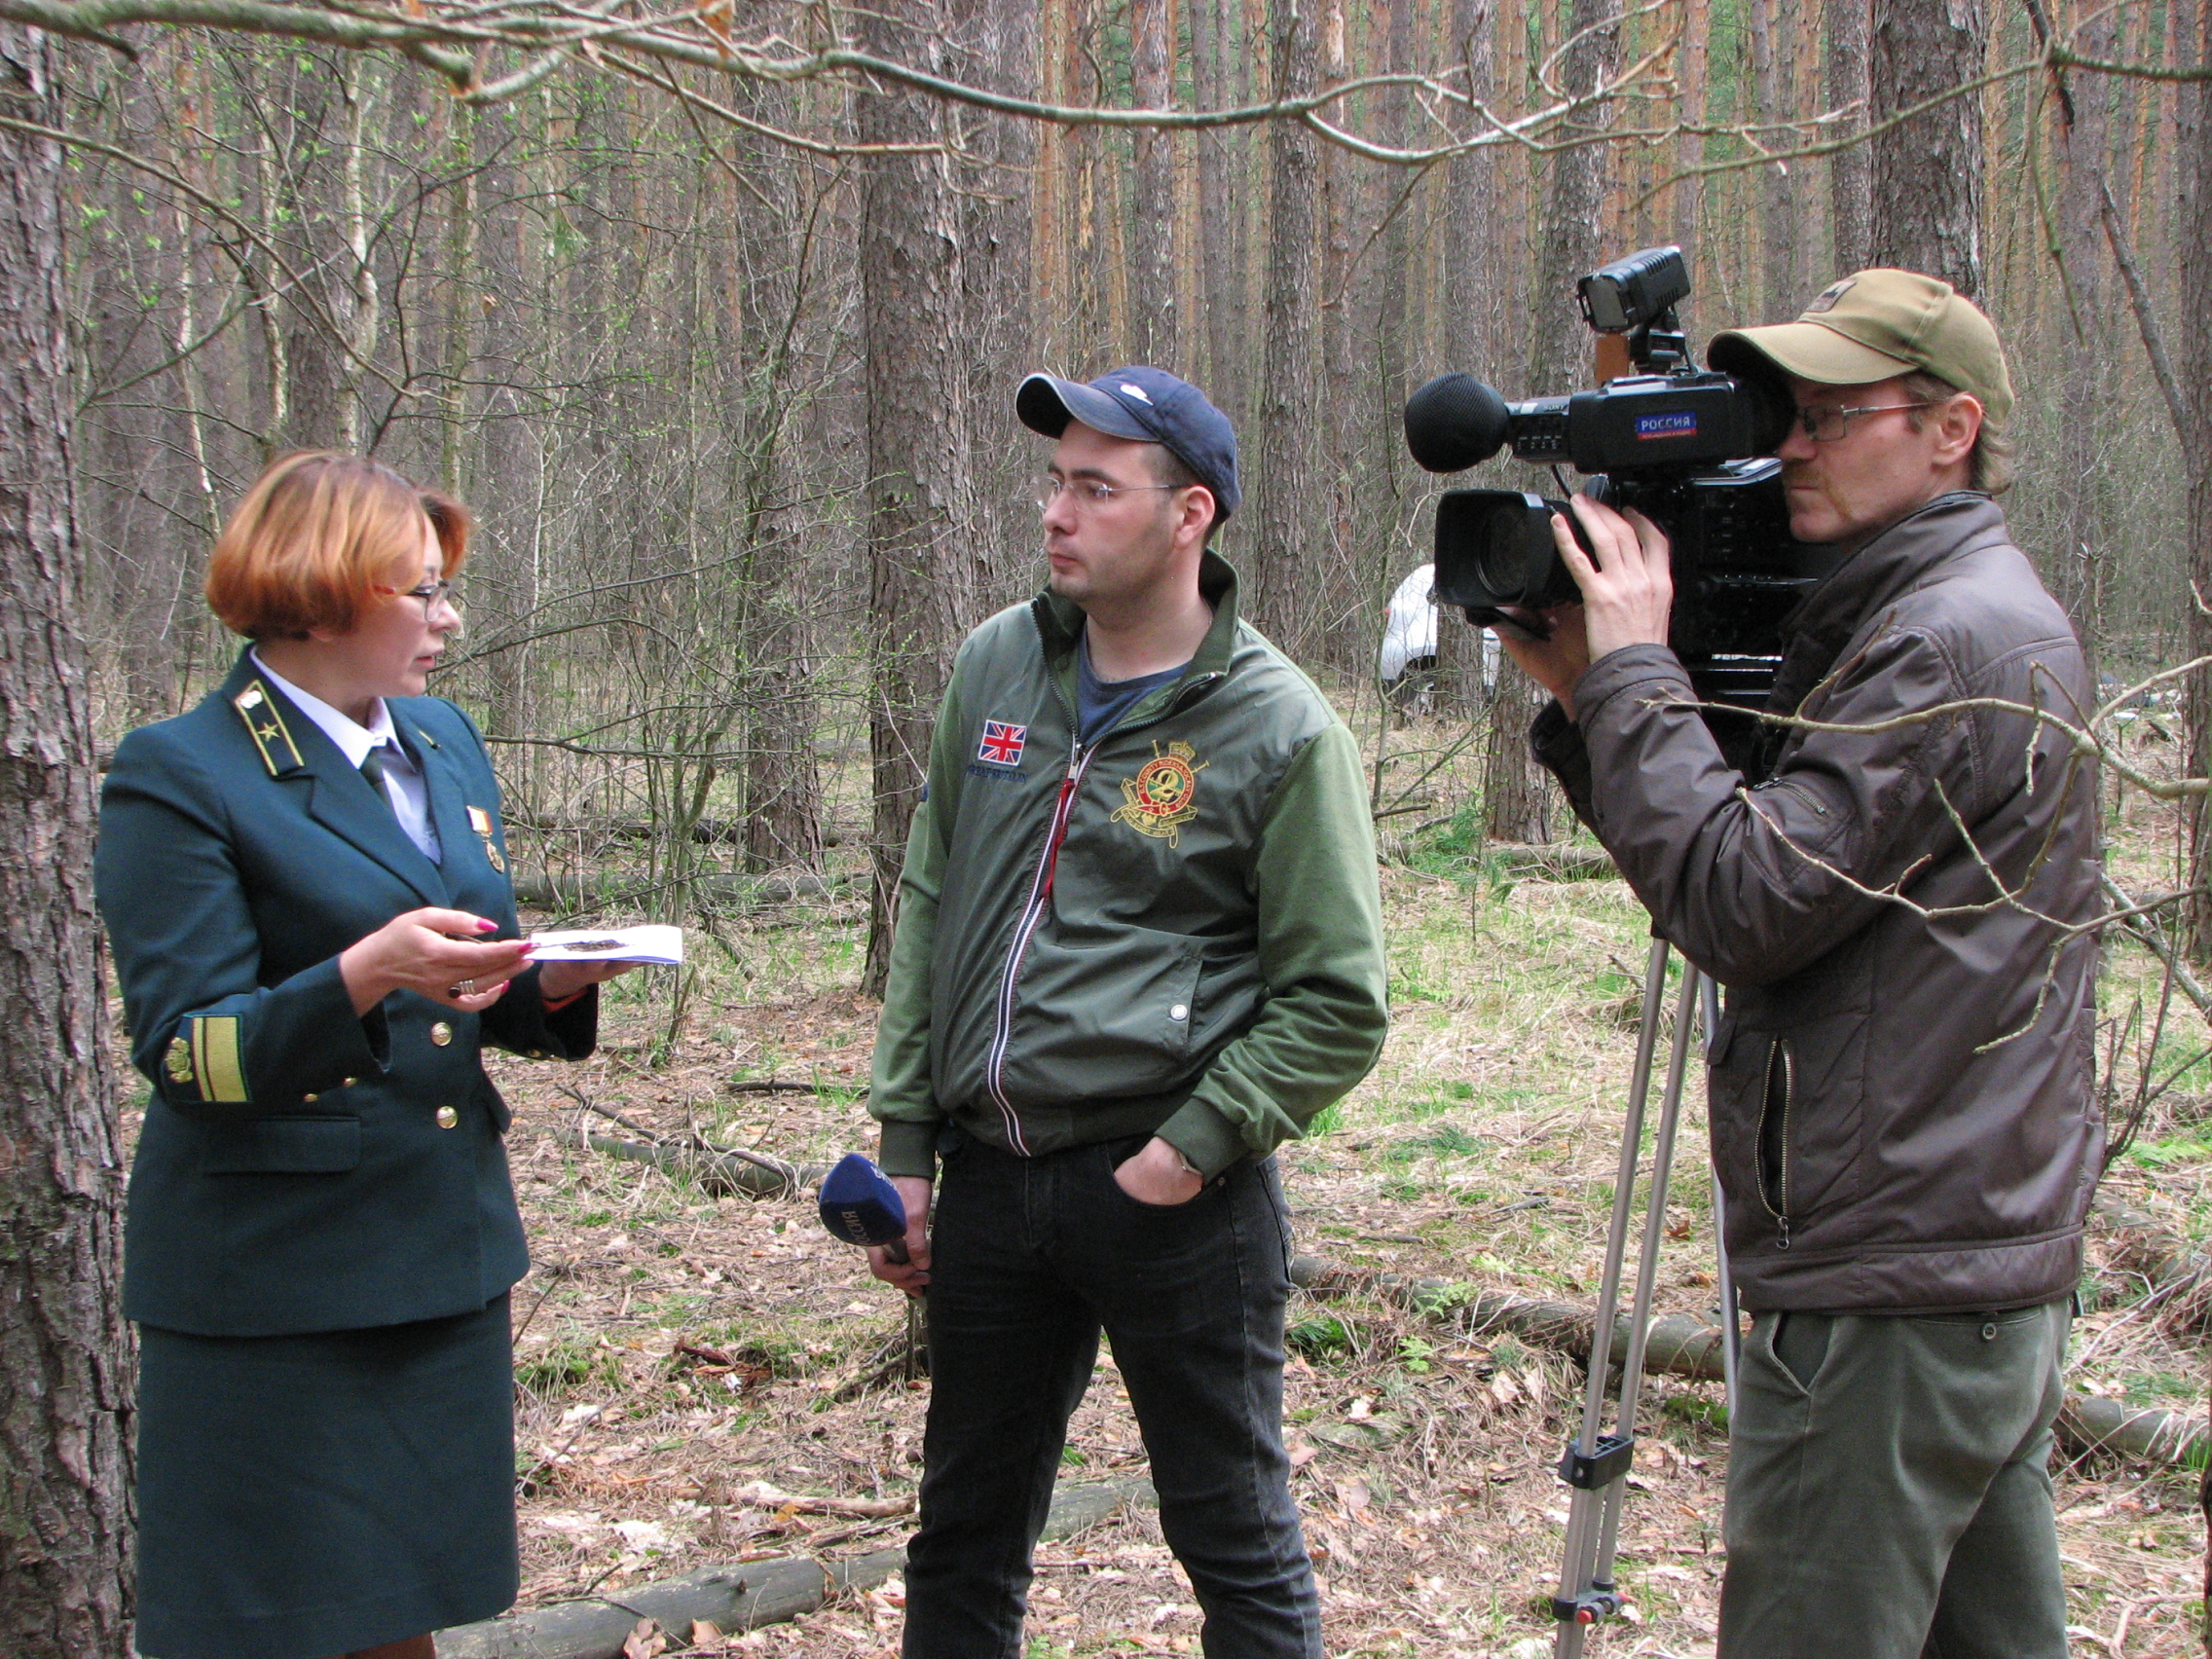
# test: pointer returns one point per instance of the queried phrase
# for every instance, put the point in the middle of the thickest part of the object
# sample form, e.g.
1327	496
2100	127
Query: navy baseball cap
1147	406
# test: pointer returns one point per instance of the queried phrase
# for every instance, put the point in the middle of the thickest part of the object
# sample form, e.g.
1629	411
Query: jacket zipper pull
1782	1232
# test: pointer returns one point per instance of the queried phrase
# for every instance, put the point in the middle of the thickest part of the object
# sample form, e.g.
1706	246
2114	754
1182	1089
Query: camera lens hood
1453	422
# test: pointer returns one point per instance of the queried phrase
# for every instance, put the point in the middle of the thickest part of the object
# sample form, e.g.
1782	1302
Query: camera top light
1632	292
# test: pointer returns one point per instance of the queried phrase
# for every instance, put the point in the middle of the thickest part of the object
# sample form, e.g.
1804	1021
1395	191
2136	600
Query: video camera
1691	449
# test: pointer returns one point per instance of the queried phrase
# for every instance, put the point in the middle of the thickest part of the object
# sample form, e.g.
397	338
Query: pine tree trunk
2077	565
1927	171
918	488
1154	335
1286	515
1851	200
1513	786
2193	239
65	1365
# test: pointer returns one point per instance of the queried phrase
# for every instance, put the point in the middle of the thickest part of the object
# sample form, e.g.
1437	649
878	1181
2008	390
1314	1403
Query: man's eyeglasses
1089	492
1825	424
432	594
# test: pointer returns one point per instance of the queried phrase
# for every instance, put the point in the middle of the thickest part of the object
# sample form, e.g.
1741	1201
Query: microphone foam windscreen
1453	422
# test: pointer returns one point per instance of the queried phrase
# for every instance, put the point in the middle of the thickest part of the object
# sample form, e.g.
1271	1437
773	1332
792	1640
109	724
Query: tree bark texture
1154	335
2193	34
1927	183
1513	786
1286	515
2077	566
1850	198
918	482
1558	343
66	1367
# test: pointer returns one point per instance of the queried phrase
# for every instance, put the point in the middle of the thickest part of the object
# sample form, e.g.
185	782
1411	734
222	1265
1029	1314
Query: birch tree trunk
66	1367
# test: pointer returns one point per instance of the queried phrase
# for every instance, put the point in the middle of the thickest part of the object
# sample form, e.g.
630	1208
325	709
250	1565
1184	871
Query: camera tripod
1597	1464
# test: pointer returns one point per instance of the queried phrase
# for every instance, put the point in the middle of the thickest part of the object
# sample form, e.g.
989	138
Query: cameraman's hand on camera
1627	593
1552	649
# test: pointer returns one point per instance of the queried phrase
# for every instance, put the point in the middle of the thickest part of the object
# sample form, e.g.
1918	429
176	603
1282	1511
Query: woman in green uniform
305	887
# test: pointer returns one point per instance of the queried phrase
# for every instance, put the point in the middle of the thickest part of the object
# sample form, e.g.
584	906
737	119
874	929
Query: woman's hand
431	952
559	980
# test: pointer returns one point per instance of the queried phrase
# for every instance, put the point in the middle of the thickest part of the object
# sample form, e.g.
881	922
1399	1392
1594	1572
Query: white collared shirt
403	782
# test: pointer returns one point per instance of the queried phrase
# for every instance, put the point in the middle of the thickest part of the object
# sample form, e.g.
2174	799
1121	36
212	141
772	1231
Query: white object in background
1409	631
1408	623
654	942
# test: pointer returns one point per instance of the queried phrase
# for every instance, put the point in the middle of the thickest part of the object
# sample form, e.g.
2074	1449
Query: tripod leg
1731	1326
1648	1267
1573	1606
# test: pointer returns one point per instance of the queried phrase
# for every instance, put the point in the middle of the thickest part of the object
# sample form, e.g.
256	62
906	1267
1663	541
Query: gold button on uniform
349	1082
446	1117
310	1099
441	1034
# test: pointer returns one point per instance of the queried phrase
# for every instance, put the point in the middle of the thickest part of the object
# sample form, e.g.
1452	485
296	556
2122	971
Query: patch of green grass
2184	1148
568	1362
1446	1140
1320	1335
2163	1387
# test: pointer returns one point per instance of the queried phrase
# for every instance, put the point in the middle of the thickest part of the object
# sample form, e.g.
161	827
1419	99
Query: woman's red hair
316	533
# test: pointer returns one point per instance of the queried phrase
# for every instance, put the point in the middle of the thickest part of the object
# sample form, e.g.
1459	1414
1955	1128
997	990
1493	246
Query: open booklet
652	943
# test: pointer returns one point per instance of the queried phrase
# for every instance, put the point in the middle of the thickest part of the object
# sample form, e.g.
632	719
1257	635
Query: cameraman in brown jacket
1898	904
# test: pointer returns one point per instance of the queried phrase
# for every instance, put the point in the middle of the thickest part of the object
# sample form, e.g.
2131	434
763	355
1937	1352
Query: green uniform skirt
304	1495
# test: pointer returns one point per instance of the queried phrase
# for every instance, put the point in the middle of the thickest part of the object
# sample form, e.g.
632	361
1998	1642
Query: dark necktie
372	768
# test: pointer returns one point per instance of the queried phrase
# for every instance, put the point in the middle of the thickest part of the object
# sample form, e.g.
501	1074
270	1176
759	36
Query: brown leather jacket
1900	1089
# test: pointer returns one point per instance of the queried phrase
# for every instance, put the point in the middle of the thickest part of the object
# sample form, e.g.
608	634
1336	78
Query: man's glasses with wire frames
432	594
1089	493
1825	424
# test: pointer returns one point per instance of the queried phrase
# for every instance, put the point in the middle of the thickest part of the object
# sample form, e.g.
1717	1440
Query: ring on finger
466	989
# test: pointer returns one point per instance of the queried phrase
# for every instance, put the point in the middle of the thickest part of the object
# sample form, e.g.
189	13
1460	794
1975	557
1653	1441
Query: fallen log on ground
736	1597
725	1174
1681	1344
2179	1273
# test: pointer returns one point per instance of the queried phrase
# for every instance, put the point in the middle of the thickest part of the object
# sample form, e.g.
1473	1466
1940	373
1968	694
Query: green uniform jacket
302	1167
1176	930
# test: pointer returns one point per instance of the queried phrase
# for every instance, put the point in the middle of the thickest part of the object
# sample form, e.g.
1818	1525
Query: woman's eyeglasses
432	594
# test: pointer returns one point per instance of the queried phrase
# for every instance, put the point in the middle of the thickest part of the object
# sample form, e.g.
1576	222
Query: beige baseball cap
1875	324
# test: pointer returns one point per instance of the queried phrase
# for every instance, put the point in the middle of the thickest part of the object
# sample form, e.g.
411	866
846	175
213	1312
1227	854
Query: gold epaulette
263	720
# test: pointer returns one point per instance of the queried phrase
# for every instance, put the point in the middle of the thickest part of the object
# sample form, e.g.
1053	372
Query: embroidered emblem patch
1158	799
179	1060
1830	295
480	821
1002	743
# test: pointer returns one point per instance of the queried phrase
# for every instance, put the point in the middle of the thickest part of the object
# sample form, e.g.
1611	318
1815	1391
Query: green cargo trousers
1889	1489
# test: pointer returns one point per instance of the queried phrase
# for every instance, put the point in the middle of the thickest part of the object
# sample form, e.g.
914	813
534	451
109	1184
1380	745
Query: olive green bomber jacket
1176	931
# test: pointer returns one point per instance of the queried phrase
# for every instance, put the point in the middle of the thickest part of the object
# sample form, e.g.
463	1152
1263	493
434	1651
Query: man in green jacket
1139	946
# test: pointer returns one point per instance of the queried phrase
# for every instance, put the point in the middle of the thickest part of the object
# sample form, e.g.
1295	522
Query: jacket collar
296	751
1896	560
1059	621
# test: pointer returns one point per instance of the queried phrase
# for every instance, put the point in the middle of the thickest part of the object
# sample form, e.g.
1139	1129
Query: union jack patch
1002	743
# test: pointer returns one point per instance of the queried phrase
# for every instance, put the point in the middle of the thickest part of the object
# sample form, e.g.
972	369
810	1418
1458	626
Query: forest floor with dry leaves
689	1367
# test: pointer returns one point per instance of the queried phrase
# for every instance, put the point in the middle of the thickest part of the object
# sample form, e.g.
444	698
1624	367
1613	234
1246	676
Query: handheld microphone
860	1206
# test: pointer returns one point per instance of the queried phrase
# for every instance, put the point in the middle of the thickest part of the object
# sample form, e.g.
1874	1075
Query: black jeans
1030	1259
